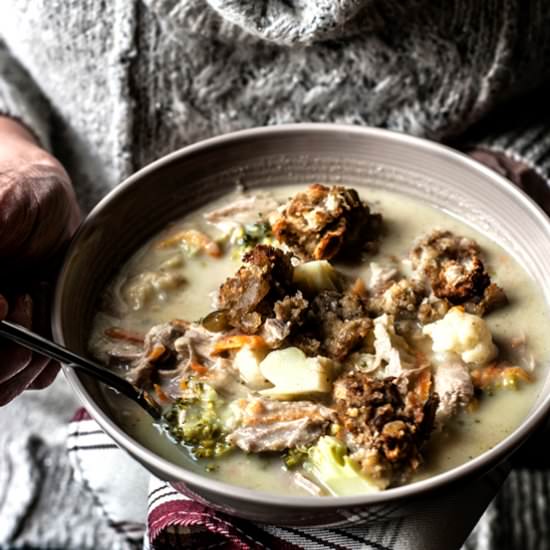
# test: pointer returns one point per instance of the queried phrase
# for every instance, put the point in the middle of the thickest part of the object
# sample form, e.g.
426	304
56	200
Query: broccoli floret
251	234
295	457
329	463
195	421
256	233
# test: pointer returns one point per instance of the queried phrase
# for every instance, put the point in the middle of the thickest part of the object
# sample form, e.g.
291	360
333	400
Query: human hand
38	214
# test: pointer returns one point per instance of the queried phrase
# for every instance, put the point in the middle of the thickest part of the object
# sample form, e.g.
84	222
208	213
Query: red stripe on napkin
231	533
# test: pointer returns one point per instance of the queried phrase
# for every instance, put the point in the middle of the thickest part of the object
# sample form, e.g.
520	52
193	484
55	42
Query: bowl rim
174	472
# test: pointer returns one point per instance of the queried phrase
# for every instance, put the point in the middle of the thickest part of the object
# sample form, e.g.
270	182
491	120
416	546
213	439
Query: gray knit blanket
110	86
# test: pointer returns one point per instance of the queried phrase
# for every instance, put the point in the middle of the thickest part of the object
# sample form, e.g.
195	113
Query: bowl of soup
338	322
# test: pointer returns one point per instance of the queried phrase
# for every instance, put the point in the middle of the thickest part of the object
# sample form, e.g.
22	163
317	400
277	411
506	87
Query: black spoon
43	346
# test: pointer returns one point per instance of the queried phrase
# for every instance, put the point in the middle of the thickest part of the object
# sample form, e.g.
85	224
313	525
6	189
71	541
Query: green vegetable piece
295	457
248	236
329	463
195	421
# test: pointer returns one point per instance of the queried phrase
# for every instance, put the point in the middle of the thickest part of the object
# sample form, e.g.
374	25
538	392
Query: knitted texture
20	99
41	504
130	81
285	23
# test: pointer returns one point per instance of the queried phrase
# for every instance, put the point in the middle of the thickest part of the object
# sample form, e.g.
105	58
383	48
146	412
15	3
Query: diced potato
247	362
330	464
463	333
313	277
294	375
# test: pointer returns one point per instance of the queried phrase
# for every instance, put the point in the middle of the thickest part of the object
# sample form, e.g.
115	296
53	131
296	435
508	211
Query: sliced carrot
423	384
194	239
156	353
161	394
117	333
516	373
238	341
199	369
213	249
358	288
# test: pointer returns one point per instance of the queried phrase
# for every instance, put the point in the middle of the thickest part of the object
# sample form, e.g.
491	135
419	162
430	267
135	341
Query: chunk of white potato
247	362
294	375
313	277
462	333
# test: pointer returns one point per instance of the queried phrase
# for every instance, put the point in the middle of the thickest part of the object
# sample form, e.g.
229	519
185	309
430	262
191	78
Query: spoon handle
43	346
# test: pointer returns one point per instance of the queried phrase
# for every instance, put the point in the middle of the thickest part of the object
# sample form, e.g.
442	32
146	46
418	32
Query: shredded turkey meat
392	354
243	211
169	351
453	384
268	425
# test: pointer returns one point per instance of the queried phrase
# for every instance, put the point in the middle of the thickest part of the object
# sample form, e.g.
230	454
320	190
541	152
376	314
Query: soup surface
307	340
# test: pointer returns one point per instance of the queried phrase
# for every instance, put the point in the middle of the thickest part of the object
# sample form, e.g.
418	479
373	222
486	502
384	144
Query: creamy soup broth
468	435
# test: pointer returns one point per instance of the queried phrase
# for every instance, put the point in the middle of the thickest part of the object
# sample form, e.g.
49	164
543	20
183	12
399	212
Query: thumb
38	213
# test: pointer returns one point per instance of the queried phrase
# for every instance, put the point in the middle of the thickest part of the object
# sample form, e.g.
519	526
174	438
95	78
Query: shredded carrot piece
213	249
156	353
498	376
161	394
183	384
198	368
358	288
117	333
194	239
254	408
238	341
423	384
